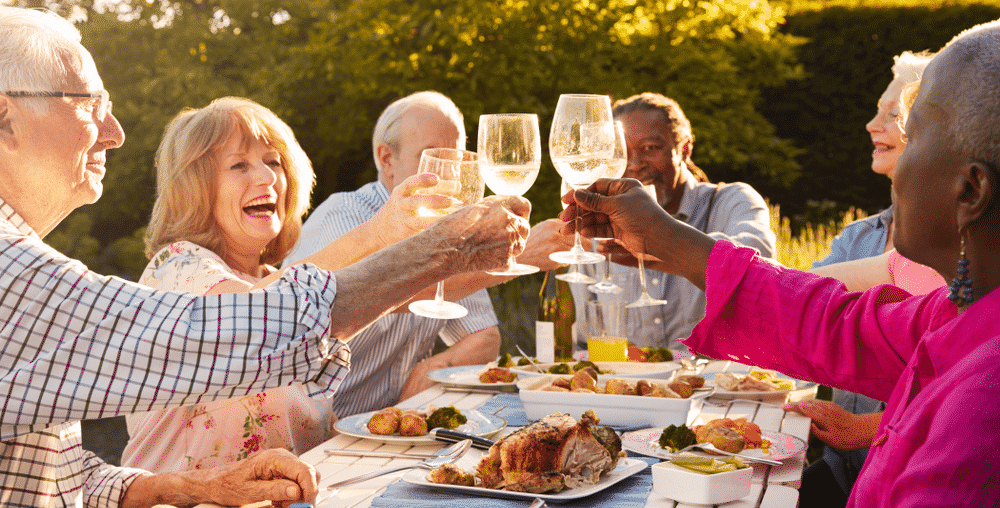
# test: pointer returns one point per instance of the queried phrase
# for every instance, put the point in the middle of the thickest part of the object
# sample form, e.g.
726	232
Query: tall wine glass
459	179
574	275
616	168
581	142
510	154
645	300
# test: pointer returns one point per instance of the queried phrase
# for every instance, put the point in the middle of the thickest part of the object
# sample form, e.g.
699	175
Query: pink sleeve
806	326
915	278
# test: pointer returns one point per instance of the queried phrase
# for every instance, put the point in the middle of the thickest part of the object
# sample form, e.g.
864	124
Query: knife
452	436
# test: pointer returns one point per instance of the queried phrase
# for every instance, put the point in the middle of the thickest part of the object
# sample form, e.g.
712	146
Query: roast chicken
550	455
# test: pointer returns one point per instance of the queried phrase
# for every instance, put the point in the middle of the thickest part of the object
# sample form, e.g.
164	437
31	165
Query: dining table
771	486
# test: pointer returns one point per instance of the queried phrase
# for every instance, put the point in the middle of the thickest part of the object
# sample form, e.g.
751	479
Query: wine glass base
576	278
645	301
433	309
605	287
516	269
576	258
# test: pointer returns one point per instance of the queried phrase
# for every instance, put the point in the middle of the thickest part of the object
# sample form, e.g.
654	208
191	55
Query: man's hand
483	236
837	426
398	218
618	209
272	475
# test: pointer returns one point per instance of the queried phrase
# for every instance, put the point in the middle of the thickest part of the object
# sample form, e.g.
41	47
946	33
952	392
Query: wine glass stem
439	295
642	275
607	268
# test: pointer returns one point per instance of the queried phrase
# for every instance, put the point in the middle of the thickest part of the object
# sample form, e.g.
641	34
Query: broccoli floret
523	361
676	437
657	354
445	417
562	368
505	361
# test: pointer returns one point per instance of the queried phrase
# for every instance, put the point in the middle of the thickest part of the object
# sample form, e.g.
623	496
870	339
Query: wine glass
459	179
581	142
574	275
616	168
645	300
510	154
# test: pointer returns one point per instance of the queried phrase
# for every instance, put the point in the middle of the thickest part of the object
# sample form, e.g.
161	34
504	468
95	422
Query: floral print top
207	434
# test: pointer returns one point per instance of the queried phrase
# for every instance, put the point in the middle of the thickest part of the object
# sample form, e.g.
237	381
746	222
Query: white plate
642	370
754	395
647	442
480	424
626	467
467	376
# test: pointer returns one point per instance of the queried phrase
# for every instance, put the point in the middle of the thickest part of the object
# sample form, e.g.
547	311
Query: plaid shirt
77	345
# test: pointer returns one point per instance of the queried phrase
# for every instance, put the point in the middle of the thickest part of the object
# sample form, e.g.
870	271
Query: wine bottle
556	324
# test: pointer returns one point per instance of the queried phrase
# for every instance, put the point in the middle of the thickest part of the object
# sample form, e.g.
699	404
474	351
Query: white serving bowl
688	486
613	410
632	370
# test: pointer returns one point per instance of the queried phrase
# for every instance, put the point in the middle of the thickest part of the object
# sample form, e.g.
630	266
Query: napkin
629	493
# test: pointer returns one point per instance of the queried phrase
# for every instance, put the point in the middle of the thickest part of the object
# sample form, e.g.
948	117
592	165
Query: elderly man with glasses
80	345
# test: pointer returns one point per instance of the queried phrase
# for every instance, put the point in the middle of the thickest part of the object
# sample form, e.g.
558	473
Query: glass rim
507	115
467	155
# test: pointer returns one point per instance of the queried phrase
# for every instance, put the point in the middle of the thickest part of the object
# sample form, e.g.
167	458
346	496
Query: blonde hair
185	165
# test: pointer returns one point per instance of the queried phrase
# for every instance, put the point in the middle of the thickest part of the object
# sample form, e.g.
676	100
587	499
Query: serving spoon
445	456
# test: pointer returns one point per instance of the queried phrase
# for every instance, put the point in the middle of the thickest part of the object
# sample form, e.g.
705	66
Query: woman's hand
837	426
399	218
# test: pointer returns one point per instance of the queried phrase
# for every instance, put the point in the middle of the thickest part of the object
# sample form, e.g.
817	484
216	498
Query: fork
450	454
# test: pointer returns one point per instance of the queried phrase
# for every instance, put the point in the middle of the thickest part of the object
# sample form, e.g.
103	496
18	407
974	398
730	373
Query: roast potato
694	381
411	424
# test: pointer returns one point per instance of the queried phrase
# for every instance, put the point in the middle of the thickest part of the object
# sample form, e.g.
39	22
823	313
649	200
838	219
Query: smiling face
249	201
64	149
653	159
885	131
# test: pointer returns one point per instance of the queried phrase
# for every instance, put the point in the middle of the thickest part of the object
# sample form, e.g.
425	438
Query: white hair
907	66
387	128
38	51
976	94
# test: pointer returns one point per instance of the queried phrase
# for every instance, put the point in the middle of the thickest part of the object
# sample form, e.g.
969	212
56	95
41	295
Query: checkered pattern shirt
76	345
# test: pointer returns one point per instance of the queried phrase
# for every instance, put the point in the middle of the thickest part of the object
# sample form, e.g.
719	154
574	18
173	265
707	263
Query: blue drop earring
961	286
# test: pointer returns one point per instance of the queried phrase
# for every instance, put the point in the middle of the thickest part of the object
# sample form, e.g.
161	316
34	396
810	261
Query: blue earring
963	283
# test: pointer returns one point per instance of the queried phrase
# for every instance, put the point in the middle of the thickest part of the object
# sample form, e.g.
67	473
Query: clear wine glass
510	154
645	300
616	168
459	179
574	275
581	142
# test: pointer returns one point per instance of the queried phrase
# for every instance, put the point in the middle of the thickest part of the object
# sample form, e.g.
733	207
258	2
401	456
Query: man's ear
979	191
7	140
686	149
384	155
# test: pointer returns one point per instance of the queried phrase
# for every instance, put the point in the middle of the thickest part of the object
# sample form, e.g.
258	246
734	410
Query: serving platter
479	424
467	376
641	370
626	467
647	442
754	394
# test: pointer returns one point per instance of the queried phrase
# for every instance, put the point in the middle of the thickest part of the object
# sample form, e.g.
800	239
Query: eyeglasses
101	107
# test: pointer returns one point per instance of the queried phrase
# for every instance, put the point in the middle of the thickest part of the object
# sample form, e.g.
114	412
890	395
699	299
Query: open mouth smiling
261	207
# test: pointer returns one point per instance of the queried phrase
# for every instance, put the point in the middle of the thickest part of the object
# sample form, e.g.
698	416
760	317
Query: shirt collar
7	213
686	208
382	191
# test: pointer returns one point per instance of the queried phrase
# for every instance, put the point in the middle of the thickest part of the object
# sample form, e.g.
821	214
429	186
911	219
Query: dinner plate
480	424
626	467
655	370
467	376
647	442
754	395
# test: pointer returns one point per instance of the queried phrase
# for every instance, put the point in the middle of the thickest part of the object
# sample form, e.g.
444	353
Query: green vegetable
676	437
562	368
657	354
707	465
445	417
523	361
505	361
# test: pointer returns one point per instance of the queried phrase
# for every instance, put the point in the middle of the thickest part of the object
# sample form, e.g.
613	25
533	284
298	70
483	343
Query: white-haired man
80	345
393	357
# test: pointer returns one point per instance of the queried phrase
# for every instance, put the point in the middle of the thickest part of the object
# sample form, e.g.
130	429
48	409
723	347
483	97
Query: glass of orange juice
605	328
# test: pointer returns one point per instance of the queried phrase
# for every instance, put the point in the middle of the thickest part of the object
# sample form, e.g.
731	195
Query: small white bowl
688	486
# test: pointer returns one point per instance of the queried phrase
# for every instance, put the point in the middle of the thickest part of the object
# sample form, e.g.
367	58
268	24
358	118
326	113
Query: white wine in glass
458	178
510	154
581	142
